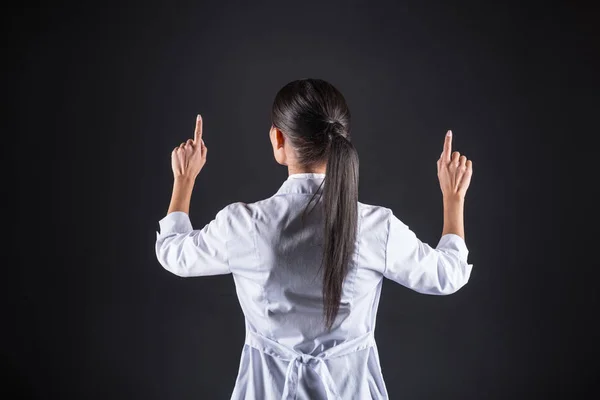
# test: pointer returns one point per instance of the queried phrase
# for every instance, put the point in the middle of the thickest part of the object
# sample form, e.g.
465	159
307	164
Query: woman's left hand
188	158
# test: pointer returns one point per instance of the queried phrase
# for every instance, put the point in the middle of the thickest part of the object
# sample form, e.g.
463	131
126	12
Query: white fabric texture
275	258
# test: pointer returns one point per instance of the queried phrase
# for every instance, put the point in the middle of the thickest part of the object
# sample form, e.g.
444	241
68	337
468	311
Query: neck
317	170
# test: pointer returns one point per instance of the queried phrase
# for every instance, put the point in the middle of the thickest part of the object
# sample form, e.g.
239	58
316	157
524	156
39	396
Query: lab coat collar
306	183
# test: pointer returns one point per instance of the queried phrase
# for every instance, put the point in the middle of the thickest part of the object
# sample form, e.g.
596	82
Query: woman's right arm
443	269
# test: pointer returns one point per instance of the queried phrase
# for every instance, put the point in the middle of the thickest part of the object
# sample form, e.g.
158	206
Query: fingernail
449	133
198	117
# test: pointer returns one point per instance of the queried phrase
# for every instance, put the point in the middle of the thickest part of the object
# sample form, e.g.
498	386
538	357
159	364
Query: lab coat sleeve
416	265
189	252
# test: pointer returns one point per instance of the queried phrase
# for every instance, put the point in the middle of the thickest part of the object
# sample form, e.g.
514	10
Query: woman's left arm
187	160
179	248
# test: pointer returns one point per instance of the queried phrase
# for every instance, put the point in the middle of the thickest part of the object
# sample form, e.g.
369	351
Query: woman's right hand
454	171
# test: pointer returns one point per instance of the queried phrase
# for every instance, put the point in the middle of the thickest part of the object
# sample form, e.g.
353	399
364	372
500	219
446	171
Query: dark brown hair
315	119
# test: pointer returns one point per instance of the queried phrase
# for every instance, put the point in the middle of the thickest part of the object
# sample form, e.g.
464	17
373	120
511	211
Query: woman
308	261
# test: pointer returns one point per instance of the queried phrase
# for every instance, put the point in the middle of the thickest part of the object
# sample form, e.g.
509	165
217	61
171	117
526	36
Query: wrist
184	179
453	200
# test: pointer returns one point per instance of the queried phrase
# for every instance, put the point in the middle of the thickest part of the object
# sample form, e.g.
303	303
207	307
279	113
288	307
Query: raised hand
188	159
454	171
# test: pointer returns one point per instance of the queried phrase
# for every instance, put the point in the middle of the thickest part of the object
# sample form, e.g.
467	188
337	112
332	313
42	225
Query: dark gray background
99	96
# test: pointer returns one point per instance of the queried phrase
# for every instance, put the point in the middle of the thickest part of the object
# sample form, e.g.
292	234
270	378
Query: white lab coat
274	260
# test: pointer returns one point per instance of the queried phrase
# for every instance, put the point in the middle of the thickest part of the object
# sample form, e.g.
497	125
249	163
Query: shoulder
250	209
247	212
373	211
374	217
377	215
239	209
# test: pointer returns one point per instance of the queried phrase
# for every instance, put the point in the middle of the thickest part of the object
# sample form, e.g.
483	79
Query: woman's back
286	266
278	277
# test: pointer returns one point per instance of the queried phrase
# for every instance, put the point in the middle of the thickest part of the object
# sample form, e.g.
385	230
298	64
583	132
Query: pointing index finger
198	131
447	147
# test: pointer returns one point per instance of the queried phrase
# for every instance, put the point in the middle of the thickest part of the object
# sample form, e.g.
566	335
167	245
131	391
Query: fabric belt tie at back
296	360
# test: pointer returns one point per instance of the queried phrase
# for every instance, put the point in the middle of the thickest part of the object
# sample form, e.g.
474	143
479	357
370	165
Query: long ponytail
340	201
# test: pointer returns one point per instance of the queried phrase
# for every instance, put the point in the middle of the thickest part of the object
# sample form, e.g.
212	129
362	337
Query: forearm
182	195
454	216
